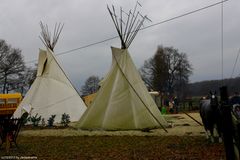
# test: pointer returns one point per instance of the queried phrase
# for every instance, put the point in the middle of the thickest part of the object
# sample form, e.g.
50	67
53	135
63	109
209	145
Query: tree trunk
5	83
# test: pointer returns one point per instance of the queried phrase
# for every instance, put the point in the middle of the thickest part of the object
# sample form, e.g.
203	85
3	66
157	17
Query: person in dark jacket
176	104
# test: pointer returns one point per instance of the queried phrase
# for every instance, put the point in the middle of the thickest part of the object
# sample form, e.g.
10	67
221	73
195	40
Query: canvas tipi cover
51	93
123	102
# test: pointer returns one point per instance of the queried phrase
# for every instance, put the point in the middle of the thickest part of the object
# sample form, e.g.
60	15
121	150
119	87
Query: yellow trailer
89	99
9	103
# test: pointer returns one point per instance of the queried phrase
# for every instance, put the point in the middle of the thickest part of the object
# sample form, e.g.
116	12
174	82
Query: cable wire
158	23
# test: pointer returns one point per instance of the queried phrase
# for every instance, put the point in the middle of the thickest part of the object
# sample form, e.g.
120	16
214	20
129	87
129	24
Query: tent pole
193	118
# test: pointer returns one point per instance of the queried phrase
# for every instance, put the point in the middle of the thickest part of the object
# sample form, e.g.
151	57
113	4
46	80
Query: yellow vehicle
9	103
89	99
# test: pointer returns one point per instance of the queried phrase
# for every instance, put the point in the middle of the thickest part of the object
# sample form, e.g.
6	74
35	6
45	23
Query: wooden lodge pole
227	125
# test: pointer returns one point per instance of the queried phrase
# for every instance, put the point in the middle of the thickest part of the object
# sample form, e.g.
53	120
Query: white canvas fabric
52	93
123	102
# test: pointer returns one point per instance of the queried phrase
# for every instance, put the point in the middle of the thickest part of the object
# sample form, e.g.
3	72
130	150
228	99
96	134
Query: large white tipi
52	92
123	102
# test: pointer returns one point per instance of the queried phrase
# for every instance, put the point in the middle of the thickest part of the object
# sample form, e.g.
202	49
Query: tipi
52	92
122	102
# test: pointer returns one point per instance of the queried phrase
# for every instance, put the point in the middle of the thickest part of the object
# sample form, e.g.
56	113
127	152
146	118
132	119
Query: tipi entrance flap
41	62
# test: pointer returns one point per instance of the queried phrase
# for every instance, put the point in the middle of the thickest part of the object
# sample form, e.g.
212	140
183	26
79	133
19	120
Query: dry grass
182	142
118	147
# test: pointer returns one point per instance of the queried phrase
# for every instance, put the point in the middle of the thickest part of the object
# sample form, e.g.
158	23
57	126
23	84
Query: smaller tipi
123	102
51	92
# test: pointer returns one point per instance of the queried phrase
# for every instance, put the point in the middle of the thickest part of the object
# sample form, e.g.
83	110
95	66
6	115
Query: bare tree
4	50
11	66
167	71
91	85
184	70
29	76
25	80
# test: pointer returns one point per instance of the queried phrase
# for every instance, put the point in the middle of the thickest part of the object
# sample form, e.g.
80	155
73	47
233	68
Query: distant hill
202	88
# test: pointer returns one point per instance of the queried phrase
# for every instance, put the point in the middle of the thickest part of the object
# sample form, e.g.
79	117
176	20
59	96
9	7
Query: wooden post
7	143
227	126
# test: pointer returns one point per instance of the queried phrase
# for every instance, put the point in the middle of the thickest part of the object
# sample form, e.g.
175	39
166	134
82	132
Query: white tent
52	92
123	102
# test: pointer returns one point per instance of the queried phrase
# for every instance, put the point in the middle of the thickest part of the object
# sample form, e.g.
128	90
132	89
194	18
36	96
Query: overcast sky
88	21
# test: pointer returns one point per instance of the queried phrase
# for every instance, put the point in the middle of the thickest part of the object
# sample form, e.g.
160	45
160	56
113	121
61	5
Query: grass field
184	141
118	147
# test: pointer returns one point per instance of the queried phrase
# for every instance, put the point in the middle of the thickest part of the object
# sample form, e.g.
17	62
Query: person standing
176	103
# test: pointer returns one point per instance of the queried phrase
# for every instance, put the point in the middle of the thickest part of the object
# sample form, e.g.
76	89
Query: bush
51	120
35	120
65	120
26	120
